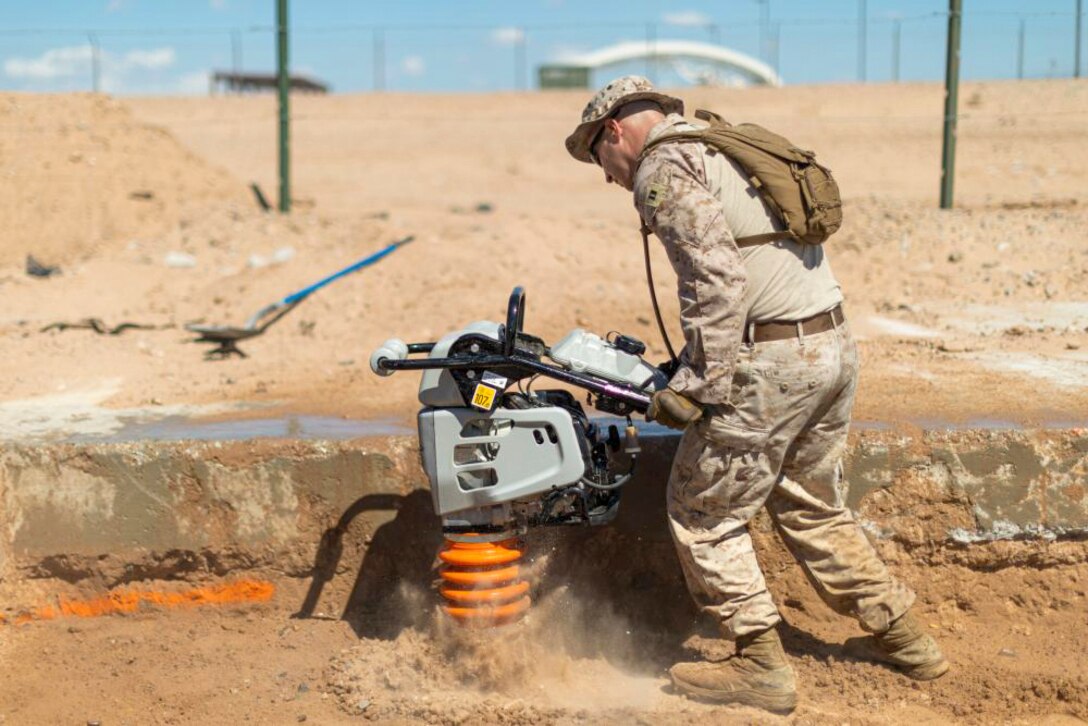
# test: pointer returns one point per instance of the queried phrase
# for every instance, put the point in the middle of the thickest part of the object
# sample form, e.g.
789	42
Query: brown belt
783	330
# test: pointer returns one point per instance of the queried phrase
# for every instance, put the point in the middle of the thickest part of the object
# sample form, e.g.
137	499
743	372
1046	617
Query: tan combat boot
907	647
758	674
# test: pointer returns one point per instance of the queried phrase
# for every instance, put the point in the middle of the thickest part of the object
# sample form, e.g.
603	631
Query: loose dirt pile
83	177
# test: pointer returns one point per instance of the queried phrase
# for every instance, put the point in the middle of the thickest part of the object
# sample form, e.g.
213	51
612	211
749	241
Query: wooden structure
228	82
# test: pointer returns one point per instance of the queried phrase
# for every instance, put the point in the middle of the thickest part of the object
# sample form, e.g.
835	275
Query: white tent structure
698	63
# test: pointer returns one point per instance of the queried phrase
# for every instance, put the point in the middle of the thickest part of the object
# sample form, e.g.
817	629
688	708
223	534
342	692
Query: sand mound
83	176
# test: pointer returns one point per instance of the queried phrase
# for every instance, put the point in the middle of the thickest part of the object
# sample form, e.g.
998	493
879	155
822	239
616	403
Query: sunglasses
596	140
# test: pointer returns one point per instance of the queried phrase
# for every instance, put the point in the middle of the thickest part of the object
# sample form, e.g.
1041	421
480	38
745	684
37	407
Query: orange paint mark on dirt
130	601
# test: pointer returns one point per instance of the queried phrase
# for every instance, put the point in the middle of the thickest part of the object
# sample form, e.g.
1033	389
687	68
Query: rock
177	259
1007	653
256	262
37	269
956	346
955	256
283	254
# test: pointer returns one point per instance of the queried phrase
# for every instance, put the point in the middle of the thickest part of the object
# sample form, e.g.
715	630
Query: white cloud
55	63
507	36
136	71
76	61
150	59
413	65
114	5
218	4
688	18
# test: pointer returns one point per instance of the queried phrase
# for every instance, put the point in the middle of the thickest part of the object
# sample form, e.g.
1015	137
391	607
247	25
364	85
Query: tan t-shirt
698	202
787	280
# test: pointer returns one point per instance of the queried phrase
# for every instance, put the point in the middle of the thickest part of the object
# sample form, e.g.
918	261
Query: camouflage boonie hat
617	93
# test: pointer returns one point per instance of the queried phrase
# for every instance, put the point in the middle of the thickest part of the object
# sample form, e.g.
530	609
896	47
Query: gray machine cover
476	459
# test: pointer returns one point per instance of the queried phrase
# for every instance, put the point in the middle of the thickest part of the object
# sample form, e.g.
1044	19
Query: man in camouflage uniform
763	394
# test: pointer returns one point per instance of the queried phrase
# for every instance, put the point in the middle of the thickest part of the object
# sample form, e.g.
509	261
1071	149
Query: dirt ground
1010	617
972	314
976	314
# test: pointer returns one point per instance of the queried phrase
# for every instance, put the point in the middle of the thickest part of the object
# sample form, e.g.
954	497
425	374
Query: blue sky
170	46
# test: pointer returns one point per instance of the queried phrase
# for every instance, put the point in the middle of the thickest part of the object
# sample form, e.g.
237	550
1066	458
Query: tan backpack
800	191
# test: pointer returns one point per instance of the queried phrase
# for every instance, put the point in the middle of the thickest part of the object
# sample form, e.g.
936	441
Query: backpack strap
712	118
762	239
668	139
699	135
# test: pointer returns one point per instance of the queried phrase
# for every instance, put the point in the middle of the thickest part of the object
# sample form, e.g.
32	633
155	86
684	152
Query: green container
563	76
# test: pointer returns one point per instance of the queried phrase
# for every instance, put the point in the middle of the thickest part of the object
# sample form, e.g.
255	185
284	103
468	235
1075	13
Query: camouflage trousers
779	443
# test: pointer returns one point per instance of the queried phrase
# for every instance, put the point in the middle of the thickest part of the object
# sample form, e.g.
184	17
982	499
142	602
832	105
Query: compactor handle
515	318
392	349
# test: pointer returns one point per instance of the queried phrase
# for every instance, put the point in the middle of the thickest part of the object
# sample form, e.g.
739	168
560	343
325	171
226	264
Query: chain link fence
453	58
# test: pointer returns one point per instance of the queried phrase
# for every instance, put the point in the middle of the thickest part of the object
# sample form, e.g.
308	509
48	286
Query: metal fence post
519	60
764	29
1020	51
284	93
776	45
236	51
863	41
897	28
1076	45
651	52
379	59
96	63
951	96
714	33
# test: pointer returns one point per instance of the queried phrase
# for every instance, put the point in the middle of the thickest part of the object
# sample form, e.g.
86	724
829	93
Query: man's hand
669	408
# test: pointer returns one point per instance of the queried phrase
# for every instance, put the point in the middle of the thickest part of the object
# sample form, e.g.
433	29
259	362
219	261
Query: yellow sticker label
655	195
484	397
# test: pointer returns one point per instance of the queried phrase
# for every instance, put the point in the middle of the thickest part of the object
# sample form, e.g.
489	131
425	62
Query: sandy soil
977	313
1010	617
